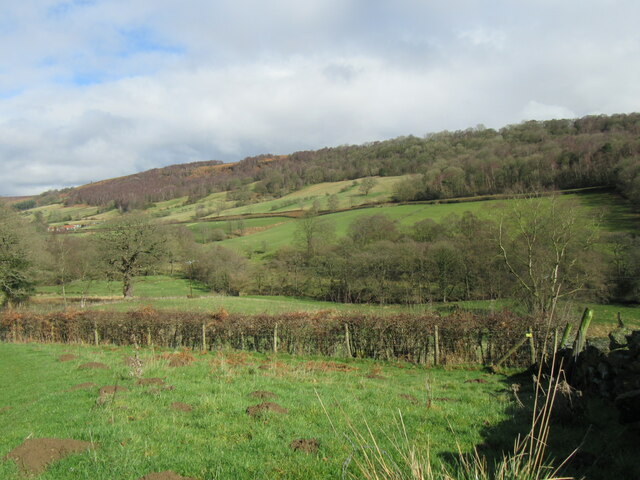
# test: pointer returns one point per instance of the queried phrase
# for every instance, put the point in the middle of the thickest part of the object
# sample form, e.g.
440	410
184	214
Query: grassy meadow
136	431
349	407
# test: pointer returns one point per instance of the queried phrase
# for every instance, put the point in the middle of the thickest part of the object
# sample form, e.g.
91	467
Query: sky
94	89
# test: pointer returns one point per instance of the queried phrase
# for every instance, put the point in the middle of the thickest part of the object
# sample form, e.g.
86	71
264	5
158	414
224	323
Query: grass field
210	435
137	431
616	216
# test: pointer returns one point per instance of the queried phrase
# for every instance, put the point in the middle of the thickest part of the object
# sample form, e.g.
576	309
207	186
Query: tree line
538	250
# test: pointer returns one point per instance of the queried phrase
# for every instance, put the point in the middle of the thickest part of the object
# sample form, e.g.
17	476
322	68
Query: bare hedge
462	337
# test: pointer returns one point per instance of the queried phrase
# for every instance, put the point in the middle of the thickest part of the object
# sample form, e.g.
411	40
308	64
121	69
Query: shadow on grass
605	449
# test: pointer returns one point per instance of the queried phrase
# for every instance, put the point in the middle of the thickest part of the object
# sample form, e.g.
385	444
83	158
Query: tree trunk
127	286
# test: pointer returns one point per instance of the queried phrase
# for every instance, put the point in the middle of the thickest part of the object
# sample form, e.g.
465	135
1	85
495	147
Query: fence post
532	346
204	337
436	347
96	337
565	335
582	332
347	339
275	338
149	336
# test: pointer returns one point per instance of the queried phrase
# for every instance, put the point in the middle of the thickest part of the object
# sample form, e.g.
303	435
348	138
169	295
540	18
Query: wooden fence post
204	337
532	346
275	339
436	346
96	337
347	339
565	335
581	338
149	336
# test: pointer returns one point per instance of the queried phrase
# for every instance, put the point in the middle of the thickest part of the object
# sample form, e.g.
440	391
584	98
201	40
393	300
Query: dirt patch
109	391
67	357
445	399
230	359
167	475
83	386
150	381
476	380
270	365
409	398
183	407
93	366
33	456
258	410
308	445
262	394
328	367
180	359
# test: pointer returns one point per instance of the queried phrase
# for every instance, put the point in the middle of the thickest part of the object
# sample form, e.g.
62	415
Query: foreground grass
137	432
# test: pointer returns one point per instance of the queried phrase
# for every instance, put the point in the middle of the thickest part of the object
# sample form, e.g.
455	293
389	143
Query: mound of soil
180	359
167	475
107	391
111	389
308	445
328	367
230	359
409	398
83	386
476	380
183	407
258	410
33	456
67	357
150	381
262	394
93	366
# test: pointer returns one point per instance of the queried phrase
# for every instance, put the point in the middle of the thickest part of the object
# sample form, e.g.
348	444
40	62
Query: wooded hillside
559	154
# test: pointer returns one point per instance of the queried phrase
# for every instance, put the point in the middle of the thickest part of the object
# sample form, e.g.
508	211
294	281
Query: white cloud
93	90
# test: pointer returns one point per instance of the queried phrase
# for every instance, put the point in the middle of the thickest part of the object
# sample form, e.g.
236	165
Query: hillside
534	155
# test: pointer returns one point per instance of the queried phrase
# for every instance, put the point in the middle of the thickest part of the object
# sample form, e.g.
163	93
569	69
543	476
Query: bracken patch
328	367
180	359
33	456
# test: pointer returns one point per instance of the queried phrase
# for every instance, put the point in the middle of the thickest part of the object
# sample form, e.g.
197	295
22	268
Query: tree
16	277
367	184
372	228
130	245
311	231
547	247
333	203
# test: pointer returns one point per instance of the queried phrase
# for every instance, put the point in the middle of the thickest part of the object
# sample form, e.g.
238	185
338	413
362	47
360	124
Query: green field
136	431
349	407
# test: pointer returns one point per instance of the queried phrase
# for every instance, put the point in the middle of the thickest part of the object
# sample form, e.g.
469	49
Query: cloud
96	89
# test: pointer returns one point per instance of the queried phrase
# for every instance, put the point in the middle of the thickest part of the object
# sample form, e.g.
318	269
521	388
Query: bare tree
545	243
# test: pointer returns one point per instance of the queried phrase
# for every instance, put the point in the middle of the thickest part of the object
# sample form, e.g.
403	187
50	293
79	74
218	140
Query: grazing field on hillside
615	215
